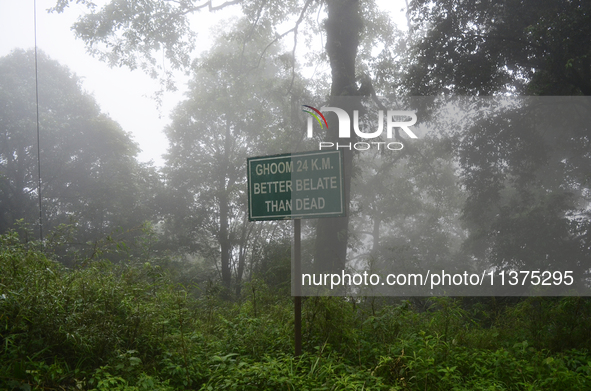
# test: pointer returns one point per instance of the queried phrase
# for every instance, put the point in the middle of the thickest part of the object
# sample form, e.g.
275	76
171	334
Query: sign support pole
297	235
303	185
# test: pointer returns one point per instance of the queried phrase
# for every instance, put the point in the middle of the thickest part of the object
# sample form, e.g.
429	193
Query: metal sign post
297	268
296	186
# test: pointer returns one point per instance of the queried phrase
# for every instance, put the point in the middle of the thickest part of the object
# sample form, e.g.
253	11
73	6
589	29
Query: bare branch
295	43
210	6
295	28
254	24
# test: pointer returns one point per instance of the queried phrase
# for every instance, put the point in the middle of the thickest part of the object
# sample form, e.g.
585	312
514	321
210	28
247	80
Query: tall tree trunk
224	241
343	28
224	204
376	233
242	249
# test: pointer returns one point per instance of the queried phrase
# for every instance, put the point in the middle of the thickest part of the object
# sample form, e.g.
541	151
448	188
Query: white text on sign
316	164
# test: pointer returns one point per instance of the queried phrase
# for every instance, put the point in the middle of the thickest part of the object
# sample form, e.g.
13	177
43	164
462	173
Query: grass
123	327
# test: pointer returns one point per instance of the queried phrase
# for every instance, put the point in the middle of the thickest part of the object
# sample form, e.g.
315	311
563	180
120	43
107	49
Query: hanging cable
38	133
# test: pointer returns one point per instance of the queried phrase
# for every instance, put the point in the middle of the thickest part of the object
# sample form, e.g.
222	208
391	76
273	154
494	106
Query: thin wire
38	133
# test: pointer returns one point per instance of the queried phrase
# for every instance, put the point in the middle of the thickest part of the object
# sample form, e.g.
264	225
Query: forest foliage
460	195
152	278
131	327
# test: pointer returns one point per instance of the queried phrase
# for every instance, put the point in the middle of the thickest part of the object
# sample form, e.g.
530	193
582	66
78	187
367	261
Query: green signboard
296	185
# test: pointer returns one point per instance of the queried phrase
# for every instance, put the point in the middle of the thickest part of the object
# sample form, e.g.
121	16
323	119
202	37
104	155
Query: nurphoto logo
394	119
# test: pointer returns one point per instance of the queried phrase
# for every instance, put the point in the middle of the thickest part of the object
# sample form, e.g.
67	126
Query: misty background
147	116
146	273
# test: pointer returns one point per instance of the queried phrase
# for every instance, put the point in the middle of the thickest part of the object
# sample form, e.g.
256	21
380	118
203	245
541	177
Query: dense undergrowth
121	327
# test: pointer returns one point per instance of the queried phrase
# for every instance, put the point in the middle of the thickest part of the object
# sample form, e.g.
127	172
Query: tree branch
249	35
293	29
211	7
